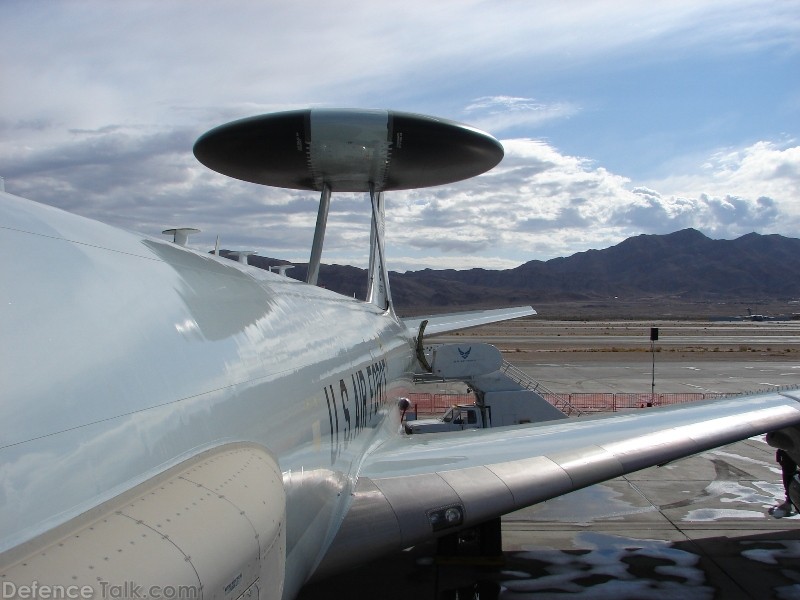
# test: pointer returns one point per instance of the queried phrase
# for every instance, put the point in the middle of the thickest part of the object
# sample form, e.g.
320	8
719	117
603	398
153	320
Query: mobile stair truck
503	394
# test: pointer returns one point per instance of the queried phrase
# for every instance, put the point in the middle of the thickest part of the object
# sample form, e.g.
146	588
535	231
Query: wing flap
489	473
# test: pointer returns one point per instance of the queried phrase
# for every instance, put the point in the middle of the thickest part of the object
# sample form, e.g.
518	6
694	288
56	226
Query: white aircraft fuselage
144	359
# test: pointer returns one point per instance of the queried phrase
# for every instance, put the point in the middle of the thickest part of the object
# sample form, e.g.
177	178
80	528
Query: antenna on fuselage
340	150
281	269
241	255
180	235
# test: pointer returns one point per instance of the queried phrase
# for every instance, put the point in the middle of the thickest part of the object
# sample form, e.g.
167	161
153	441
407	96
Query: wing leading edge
488	473
462	320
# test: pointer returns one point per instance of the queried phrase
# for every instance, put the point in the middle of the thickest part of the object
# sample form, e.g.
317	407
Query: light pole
653	340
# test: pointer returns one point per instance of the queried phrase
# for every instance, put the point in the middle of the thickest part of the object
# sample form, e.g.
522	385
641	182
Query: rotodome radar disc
348	150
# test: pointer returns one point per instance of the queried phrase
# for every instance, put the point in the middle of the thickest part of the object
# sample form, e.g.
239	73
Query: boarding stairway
528	383
483	369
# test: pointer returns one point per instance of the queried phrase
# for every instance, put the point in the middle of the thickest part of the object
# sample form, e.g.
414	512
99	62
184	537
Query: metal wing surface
409	480
463	320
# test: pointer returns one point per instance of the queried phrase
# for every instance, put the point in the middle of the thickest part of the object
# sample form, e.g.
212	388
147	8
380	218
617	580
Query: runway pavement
571	357
697	375
703	527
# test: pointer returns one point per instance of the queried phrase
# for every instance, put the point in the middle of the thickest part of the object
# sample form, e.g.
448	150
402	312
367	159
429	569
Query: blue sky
618	118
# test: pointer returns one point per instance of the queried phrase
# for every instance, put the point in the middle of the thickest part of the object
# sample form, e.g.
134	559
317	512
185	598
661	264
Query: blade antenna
319	235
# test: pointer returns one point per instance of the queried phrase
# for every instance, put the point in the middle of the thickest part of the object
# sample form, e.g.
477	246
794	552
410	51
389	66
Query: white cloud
538	203
500	113
148	60
736	191
101	103
762	169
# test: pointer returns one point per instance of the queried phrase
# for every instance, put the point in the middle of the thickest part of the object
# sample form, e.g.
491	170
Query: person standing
788	469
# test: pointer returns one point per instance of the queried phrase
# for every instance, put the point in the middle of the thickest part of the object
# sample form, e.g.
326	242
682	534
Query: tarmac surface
729	377
571	357
708	526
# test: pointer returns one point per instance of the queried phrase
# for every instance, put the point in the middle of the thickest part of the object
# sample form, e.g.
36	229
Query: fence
613	402
433	404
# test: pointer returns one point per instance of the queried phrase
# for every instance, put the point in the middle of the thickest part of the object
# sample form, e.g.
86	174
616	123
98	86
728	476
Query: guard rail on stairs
557	400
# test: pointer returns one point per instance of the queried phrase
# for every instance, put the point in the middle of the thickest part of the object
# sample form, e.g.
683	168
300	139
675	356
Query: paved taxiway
675	376
599	357
699	528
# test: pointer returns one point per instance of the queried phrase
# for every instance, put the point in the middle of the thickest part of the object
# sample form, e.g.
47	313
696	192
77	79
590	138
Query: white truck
514	407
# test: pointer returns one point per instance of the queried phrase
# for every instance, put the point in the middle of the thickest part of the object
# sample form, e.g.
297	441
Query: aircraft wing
462	320
406	485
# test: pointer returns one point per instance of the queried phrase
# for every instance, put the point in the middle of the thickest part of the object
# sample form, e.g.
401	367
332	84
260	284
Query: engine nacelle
212	527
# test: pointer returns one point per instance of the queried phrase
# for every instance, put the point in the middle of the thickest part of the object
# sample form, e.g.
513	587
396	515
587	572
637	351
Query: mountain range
685	264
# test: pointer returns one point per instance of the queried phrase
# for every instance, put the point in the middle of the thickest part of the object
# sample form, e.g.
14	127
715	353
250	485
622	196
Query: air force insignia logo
465	353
